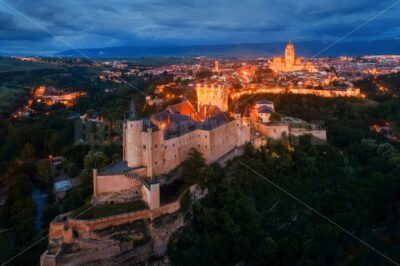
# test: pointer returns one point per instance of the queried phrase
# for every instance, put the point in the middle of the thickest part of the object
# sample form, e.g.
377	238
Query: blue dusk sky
108	23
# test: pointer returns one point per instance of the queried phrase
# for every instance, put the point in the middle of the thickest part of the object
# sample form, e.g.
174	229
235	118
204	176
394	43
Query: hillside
8	64
244	50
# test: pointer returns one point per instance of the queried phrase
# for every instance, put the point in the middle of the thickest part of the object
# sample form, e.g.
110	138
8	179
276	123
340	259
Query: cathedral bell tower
289	54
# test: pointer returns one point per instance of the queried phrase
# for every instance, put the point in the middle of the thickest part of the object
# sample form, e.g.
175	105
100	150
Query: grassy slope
11	92
106	210
10	64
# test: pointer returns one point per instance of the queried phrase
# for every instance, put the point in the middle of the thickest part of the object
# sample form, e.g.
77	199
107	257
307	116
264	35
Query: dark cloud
10	29
260	28
93	23
378	28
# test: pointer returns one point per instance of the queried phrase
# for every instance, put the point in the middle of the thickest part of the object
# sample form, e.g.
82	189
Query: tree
28	152
43	170
95	159
72	170
193	168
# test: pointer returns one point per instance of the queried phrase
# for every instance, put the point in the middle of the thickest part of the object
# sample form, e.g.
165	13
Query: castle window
155	146
206	146
155	163
165	146
144	147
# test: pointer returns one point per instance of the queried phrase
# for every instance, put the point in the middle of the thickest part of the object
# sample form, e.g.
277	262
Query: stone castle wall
114	183
83	233
167	154
276	131
225	138
272	131
349	92
61	230
318	133
252	89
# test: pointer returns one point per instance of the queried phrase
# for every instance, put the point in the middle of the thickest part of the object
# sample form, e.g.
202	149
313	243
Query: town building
264	109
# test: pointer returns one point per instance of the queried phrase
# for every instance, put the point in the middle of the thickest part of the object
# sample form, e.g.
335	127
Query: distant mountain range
244	50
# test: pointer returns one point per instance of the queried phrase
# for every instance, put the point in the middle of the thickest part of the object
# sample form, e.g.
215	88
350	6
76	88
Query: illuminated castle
211	94
290	62
157	145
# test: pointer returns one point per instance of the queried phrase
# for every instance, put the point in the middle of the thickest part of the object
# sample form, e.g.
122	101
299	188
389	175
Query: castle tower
239	126
245	130
289	54
246	115
149	151
236	113
133	128
212	94
216	66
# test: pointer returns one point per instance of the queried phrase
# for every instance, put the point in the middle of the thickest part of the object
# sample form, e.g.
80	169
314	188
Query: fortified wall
277	131
75	231
327	93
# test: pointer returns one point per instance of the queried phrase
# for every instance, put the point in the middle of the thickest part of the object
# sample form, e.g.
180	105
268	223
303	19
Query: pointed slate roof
237	109
246	111
132	116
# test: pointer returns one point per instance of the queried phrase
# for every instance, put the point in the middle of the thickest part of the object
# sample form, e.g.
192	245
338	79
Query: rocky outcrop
124	239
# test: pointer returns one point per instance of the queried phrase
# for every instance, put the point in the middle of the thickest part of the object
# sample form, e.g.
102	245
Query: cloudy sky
105	23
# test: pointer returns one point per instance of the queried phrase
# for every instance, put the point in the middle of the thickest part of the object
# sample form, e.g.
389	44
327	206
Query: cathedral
156	145
289	62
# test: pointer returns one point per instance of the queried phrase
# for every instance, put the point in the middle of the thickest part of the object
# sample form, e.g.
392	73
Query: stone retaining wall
63	229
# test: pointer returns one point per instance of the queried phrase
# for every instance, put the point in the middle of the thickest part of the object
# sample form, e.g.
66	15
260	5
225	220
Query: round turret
133	128
236	112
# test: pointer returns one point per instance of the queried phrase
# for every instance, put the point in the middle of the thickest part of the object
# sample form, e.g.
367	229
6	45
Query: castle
153	147
157	145
289	62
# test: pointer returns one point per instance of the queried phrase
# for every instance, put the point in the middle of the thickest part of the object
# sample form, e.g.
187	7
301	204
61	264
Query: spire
246	111
132	111
237	109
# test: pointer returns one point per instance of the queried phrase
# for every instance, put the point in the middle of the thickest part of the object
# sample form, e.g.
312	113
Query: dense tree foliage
354	181
247	219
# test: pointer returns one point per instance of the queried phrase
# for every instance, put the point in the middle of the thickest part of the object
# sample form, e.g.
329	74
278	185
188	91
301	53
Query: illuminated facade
212	94
289	62
156	145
